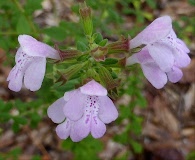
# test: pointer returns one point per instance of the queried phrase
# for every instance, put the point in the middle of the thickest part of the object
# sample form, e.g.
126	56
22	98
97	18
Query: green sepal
67	74
86	18
107	79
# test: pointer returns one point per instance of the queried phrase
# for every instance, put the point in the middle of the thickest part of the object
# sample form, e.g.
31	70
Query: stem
8	33
90	42
54	72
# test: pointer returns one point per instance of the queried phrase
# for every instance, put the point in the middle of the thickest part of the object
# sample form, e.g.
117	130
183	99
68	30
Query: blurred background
152	124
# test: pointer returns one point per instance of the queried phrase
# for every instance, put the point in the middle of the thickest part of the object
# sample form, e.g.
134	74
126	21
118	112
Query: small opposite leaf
81	46
98	38
23	27
103	42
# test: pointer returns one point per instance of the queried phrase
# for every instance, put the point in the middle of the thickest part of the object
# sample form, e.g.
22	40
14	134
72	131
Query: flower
30	64
162	44
157	77
163	55
85	110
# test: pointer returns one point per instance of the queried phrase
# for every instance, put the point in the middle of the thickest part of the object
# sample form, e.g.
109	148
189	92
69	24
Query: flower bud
120	46
67	54
68	73
86	18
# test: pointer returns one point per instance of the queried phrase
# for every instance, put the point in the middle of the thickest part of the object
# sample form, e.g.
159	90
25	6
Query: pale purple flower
163	55
30	64
85	110
155	75
162	44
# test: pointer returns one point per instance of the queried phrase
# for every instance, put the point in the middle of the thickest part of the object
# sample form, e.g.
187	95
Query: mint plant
94	69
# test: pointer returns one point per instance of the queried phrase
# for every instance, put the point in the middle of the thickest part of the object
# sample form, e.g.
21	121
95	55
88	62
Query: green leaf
35	119
5	116
137	147
97	38
192	2
32	5
81	46
57	33
191	156
122	138
15	127
15	152
22	26
151	3
36	157
87	149
4	43
20	120
103	42
109	61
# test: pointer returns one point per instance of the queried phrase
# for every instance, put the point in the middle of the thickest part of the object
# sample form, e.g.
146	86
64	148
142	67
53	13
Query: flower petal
132	59
82	127
74	107
181	58
180	52
74	136
143	56
154	75
158	29
55	111
22	60
107	111
15	79
35	73
182	45
94	89
98	128
63	130
179	48
68	95
32	47
175	75
162	55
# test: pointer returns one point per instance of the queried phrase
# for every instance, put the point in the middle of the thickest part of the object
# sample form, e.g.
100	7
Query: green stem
8	33
54	72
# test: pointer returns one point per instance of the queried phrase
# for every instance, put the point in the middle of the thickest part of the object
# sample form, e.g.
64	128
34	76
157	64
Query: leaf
81	46
32	5
35	119
151	3
136	146
97	38
22	26
57	33
36	157
192	2
103	42
109	61
20	120
15	127
5	116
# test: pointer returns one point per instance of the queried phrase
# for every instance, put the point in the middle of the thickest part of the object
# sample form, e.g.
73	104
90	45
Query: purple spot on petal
94	118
